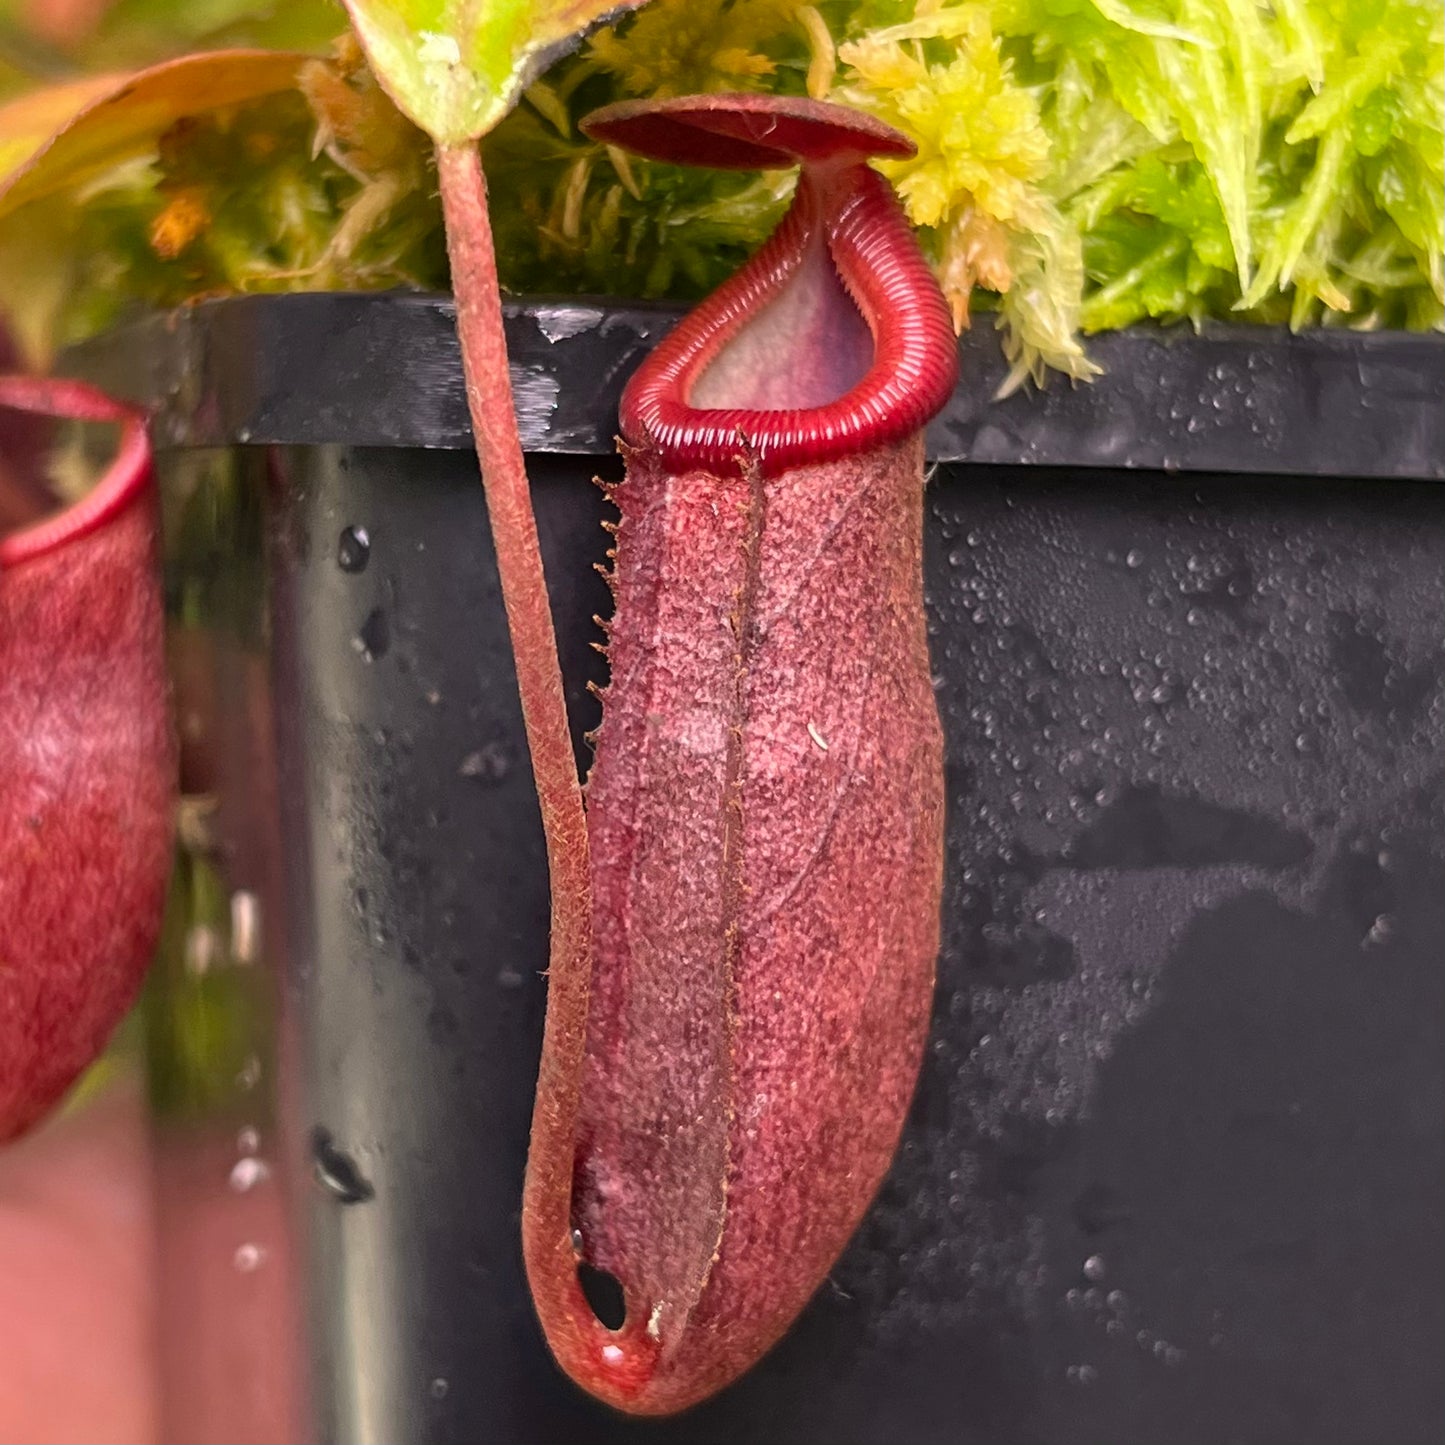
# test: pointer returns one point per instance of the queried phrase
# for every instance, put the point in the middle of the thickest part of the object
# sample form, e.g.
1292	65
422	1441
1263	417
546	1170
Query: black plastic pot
1176	1168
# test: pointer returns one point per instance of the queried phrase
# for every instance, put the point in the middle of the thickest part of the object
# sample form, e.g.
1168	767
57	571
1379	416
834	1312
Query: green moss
1084	164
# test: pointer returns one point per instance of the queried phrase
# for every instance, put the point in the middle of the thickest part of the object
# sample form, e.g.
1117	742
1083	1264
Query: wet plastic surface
1176	1168
384	370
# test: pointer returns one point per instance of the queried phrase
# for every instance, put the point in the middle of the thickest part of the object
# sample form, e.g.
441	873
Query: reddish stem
539	681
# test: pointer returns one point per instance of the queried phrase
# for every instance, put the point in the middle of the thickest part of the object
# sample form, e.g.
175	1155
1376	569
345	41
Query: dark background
1174	1173
1176	1167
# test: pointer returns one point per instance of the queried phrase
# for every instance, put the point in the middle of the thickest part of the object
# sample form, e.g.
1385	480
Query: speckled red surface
767	821
87	775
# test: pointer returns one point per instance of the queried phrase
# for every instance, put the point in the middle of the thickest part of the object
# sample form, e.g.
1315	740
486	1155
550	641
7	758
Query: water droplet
245	926
1134	558
353	549
374	637
1381	931
247	1174
439	1388
248	1140
203	949
1094	1267
248	1258
488	765
336	1171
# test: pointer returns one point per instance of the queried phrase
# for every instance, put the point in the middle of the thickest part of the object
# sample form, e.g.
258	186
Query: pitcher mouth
846	244
125	477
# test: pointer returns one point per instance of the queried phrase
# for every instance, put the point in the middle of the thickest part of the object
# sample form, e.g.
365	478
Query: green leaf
456	67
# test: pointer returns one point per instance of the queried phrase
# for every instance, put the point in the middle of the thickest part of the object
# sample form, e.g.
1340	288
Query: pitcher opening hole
603	1292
